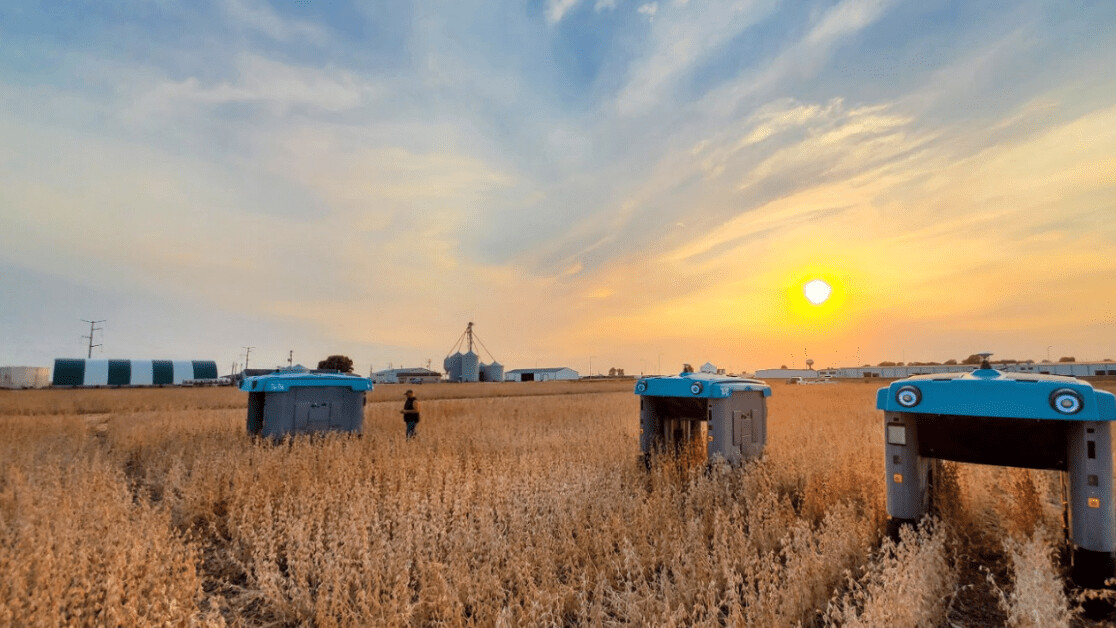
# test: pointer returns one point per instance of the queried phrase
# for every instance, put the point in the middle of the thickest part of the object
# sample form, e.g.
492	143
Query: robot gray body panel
1090	487
738	427
908	495
306	411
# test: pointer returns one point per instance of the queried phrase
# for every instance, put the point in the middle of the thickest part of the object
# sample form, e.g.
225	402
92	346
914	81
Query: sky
593	183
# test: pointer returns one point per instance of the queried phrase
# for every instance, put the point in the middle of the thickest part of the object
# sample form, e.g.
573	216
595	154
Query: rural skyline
632	183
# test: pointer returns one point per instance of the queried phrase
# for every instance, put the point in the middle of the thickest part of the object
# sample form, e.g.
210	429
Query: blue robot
728	413
1006	419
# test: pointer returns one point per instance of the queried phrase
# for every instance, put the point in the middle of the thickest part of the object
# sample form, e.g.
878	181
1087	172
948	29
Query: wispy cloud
264	82
257	16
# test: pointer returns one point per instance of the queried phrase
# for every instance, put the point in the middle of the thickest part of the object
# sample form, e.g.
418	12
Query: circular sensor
642	386
908	396
1066	401
695	388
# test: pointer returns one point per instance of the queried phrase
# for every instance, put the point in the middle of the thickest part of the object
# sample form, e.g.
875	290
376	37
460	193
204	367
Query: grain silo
492	372
469	368
453	367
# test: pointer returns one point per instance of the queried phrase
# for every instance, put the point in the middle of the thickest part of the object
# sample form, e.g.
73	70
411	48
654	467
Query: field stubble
144	507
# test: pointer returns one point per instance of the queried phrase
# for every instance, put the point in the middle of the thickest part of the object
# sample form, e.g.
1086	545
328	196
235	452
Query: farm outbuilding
24	377
541	375
415	375
786	373
80	372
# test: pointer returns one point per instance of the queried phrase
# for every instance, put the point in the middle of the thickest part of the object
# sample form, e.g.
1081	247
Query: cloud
649	9
680	39
258	16
604	4
261	82
557	9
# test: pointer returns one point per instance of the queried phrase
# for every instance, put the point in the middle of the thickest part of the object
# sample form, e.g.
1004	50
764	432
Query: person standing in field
410	413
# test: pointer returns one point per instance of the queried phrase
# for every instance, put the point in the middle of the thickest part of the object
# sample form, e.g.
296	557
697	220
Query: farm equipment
716	415
1006	419
300	402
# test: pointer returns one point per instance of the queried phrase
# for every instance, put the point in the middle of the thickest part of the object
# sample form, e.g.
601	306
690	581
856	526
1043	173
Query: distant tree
887	363
972	359
1067	358
337	363
1107	360
783	366
867	366
950	362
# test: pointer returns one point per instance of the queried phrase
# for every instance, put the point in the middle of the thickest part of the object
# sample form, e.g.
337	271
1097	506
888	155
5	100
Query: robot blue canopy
988	392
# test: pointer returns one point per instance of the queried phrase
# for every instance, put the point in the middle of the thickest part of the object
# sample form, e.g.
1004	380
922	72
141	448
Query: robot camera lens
908	396
1066	401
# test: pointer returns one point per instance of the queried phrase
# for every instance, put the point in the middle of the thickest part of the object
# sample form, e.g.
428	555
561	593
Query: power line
247	352
92	328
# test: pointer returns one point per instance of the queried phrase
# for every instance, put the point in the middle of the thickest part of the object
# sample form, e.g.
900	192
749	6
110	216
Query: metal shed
541	374
728	413
81	372
24	377
302	402
990	417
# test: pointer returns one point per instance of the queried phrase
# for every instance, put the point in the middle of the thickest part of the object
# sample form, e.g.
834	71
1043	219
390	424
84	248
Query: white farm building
541	375
415	375
24	377
786	373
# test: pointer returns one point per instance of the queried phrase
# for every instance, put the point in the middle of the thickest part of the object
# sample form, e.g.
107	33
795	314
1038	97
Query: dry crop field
517	505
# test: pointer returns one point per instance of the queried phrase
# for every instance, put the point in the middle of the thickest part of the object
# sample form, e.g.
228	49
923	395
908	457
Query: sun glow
817	291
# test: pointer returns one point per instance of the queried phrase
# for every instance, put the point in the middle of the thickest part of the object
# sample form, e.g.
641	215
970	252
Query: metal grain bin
1008	419
470	367
302	403
492	372
728	413
453	367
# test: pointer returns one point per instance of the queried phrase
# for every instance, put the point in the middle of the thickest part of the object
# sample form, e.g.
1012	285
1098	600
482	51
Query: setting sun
817	291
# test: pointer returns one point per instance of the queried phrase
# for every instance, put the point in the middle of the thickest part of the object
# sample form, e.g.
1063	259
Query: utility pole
247	352
290	358
92	328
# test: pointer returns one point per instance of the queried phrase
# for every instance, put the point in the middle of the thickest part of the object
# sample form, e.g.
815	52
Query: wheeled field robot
300	402
1006	419
680	412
